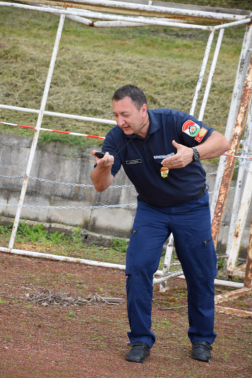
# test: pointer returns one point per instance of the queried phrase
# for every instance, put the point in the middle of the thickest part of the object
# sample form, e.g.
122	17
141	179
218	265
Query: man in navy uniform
160	151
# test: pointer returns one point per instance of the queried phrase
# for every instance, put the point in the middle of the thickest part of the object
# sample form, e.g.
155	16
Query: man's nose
120	121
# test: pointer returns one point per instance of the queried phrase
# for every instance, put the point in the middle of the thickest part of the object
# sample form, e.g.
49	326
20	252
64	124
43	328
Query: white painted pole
160	9
167	263
210	76
67	259
108	24
144	20
235	101
102	24
232	24
36	132
168	276
120	24
224	283
63	115
202	72
95	263
80	20
111	17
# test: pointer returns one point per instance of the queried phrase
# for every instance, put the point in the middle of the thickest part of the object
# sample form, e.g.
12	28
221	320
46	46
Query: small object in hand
99	154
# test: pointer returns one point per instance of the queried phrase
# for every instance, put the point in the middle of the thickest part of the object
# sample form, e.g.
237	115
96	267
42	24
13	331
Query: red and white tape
235	156
54	131
86	135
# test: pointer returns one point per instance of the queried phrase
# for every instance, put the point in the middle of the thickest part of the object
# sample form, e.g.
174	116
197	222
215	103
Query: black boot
138	352
201	351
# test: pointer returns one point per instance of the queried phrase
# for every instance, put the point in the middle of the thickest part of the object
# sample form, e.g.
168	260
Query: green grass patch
38	239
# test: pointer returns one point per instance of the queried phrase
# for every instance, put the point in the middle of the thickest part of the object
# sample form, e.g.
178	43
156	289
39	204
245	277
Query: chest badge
164	172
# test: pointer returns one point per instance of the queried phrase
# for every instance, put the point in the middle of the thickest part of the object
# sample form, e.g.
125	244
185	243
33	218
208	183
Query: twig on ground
46	298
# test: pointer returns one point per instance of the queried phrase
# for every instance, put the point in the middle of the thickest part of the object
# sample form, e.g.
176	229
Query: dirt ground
91	340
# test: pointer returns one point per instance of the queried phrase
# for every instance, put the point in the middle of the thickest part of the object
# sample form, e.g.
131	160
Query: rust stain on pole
248	272
230	162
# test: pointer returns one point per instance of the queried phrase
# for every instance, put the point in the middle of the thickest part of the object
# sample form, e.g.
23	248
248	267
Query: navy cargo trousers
191	227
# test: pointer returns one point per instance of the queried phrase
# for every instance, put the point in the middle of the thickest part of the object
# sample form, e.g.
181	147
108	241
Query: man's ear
144	110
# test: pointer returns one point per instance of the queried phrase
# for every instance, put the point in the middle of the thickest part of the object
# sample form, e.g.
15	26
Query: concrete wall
59	162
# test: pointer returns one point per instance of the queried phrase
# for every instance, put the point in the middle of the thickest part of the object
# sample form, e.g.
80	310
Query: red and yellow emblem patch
164	172
201	134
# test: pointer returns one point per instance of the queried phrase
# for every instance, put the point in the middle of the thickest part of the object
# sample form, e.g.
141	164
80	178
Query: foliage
119	245
33	234
37	233
4	229
56	238
76	235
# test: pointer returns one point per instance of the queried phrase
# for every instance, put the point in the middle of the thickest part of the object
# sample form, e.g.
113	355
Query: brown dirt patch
91	341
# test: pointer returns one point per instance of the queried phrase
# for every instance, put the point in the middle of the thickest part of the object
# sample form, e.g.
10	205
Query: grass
38	239
237	4
92	63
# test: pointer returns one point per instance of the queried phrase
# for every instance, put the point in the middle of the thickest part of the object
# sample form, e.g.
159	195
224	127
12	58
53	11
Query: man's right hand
106	161
101	174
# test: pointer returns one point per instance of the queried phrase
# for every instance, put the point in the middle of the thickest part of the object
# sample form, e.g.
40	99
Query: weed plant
38	233
39	239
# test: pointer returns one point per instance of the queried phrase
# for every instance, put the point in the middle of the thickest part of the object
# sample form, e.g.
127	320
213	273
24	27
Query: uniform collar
154	125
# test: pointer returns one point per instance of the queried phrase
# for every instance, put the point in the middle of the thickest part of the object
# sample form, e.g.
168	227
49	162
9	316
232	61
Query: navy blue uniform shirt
139	157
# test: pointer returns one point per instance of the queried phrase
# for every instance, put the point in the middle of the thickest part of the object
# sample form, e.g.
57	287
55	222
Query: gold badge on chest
164	172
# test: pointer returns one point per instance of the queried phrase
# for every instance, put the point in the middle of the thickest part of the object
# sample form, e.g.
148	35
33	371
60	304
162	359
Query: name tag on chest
136	161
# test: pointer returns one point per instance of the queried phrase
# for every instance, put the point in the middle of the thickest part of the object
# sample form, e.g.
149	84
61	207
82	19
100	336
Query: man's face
129	118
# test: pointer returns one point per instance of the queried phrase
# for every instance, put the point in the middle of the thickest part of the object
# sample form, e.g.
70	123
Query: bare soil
91	340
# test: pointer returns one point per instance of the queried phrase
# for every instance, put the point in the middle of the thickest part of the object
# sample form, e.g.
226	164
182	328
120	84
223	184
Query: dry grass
93	63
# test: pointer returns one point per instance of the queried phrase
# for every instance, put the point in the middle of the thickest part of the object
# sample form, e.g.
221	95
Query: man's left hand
181	159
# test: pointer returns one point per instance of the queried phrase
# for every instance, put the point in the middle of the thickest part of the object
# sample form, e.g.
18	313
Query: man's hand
215	145
106	161
101	174
182	158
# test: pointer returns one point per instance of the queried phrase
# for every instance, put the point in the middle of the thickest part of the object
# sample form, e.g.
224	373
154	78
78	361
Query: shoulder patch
201	134
191	128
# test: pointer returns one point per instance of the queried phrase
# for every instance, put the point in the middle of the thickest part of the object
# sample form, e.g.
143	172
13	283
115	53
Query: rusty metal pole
230	162
248	273
240	225
233	110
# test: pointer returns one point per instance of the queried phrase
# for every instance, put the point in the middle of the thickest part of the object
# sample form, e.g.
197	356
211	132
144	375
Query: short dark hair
136	94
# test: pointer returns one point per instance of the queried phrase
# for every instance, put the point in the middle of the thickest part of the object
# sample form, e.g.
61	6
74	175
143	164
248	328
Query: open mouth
127	128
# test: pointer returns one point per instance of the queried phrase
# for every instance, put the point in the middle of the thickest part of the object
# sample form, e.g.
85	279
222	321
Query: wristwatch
196	155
